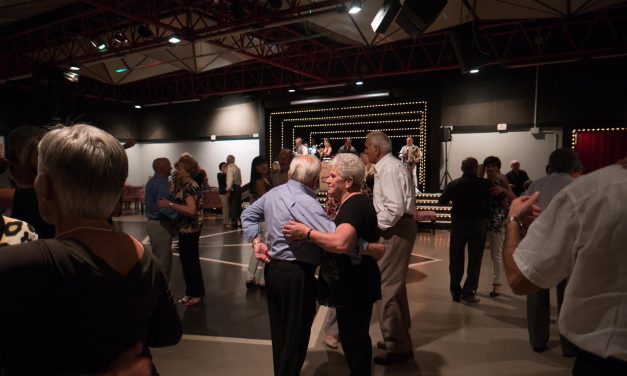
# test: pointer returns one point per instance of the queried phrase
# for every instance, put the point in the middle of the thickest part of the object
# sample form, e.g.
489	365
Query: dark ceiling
238	46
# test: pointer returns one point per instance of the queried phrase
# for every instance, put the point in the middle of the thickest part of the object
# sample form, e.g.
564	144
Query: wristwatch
515	218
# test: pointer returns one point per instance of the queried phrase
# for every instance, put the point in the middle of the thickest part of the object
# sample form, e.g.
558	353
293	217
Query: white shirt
233	176
300	150
583	233
393	194
410	154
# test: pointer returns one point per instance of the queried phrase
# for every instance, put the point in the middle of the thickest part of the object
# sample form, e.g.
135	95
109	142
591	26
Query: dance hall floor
229	333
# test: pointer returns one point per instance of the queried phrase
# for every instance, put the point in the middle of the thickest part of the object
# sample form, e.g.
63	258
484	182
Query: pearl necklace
93	228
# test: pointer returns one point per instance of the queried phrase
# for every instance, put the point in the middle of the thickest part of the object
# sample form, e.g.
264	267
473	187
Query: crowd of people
97	300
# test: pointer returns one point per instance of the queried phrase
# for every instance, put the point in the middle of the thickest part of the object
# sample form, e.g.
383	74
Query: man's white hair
381	140
348	165
87	167
304	169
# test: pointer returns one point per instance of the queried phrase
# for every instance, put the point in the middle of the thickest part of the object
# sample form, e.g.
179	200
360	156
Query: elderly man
562	162
470	195
290	281
581	235
160	226
299	148
517	178
410	155
395	207
233	189
347	147
285	158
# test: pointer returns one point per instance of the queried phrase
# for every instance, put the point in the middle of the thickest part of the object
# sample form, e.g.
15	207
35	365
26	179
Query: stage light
99	44
71	76
75	68
355	7
292	90
120	38
473	71
121	70
174	39
359	83
138	106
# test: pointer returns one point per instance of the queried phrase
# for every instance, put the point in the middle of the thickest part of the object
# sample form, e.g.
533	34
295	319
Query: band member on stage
410	156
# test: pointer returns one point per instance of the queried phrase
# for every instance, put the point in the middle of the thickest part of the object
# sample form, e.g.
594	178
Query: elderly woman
349	279
187	203
73	304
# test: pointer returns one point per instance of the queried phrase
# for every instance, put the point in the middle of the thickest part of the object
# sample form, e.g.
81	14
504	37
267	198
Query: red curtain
598	149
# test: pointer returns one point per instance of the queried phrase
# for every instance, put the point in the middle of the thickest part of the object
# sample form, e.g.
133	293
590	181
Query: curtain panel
600	148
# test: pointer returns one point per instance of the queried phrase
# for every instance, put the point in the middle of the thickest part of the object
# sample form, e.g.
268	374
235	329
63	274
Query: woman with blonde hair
187	202
74	304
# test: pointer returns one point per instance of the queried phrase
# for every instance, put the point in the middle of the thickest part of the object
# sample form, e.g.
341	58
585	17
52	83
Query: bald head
162	166
470	166
230	159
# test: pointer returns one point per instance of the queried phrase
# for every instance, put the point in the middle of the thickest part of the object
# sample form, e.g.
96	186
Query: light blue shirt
157	187
548	186
290	201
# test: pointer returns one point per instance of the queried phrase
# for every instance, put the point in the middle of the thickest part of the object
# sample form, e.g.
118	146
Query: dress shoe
456	297
251	284
540	349
381	345
393	358
470	298
495	290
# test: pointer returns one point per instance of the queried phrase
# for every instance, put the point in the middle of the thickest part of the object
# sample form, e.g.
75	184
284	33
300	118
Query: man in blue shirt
290	281
161	226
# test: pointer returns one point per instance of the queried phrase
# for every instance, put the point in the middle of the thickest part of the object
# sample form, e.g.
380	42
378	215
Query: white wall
208	154
532	153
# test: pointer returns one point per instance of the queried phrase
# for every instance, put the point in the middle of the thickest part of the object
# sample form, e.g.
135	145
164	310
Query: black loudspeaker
465	39
416	15
446	134
385	16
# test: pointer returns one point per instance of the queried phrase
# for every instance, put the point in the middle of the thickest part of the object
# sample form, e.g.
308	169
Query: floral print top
187	224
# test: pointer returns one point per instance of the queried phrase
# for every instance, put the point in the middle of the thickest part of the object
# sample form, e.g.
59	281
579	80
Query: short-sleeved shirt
64	310
346	280
582	235
188	225
14	231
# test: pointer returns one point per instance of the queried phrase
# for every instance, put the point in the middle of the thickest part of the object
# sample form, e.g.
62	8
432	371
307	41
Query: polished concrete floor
229	334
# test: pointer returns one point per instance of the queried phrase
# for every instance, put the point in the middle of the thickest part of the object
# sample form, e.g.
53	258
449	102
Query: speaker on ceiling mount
417	15
385	16
465	42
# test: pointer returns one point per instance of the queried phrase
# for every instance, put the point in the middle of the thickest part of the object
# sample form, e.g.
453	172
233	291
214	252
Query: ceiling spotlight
359	83
138	106
75	68
174	39
292	90
355	7
71	76
121	70
473	71
120	38
99	44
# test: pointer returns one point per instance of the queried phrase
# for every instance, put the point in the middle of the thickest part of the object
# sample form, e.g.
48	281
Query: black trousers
473	233
588	364
354	324
235	204
291	289
539	319
190	262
